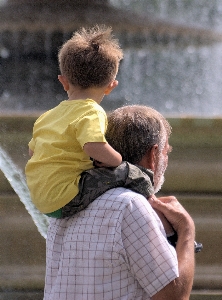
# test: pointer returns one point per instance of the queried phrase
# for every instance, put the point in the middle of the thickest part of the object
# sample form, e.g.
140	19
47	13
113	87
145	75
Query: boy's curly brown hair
90	58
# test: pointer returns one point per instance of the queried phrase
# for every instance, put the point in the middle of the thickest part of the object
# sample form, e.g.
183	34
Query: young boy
67	136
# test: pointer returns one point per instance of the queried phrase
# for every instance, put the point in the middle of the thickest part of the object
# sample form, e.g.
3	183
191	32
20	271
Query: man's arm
180	288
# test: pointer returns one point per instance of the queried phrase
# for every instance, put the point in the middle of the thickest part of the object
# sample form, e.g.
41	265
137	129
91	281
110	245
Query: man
117	247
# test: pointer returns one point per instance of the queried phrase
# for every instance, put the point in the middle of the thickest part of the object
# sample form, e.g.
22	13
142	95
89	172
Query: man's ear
64	81
149	160
112	85
153	157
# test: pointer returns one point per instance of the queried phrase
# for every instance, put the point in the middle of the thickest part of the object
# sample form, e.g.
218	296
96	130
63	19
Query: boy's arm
103	153
31	152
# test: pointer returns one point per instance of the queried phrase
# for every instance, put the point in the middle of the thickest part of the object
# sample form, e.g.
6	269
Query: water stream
17	180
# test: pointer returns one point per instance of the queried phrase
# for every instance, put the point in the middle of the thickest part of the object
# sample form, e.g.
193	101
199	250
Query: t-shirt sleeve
31	144
151	259
91	127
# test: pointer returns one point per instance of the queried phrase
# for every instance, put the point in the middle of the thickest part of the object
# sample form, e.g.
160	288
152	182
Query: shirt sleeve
92	127
31	144
151	259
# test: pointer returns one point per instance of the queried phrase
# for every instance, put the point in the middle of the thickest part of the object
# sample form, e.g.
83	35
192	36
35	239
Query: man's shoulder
120	197
121	192
121	203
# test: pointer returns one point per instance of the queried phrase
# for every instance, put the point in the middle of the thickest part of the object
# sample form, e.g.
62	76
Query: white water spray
17	180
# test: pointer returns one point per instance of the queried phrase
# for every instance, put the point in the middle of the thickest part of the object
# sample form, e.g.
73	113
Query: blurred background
173	54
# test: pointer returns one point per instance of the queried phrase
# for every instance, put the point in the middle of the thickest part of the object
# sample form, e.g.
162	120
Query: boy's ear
64	81
112	85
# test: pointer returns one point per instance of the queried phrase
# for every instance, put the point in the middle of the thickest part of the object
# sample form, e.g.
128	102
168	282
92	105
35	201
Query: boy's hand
99	164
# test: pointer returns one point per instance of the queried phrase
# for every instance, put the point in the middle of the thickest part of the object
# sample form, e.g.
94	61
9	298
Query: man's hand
173	211
166	224
181	287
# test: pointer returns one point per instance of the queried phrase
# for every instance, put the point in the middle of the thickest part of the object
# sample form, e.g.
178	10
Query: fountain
17	180
168	60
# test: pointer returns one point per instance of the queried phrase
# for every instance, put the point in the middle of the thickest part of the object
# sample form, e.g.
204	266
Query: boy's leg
95	182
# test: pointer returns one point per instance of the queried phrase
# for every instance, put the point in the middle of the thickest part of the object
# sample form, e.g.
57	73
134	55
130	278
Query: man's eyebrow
170	149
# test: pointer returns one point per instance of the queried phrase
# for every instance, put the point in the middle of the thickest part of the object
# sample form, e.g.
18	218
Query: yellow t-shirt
53	172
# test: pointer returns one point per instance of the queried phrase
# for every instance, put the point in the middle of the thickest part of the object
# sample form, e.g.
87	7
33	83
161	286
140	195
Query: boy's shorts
95	182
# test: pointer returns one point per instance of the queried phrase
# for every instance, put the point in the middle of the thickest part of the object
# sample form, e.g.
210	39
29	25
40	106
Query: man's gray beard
159	184
159	174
